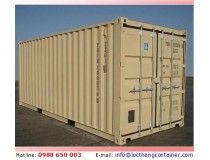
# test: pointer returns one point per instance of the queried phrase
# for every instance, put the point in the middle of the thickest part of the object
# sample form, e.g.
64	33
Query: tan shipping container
120	80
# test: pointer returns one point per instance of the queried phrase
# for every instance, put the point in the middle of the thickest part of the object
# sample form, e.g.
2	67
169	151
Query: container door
170	90
138	65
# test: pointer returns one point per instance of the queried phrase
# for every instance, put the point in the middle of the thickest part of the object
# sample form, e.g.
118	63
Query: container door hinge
97	100
105	68
122	64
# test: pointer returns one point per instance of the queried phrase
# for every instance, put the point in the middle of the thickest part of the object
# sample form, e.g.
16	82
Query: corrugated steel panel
69	72
117	79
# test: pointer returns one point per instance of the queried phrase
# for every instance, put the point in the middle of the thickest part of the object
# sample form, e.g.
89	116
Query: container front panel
138	73
152	79
71	75
170	90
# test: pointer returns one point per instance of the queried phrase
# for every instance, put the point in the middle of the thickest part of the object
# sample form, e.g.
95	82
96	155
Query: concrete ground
34	129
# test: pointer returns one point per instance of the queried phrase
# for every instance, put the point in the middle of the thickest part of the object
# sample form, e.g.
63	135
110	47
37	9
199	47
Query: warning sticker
146	46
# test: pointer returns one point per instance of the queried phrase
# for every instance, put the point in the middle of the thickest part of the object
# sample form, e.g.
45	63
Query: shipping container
120	80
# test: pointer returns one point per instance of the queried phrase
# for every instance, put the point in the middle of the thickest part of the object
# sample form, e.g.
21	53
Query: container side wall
20	72
81	88
75	76
33	73
39	73
71	75
43	105
25	72
59	76
94	95
50	75
36	72
101	79
47	57
65	75
69	61
87	78
55	74
29	73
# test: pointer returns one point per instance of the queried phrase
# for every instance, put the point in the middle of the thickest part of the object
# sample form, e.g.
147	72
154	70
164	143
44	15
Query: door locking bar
165	88
140	79
153	77
134	90
173	87
171	80
161	78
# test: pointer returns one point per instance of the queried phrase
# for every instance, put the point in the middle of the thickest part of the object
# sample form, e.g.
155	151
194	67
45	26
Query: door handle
173	87
165	88
134	90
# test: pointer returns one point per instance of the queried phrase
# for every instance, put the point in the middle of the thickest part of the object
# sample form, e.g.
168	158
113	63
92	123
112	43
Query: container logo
146	46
